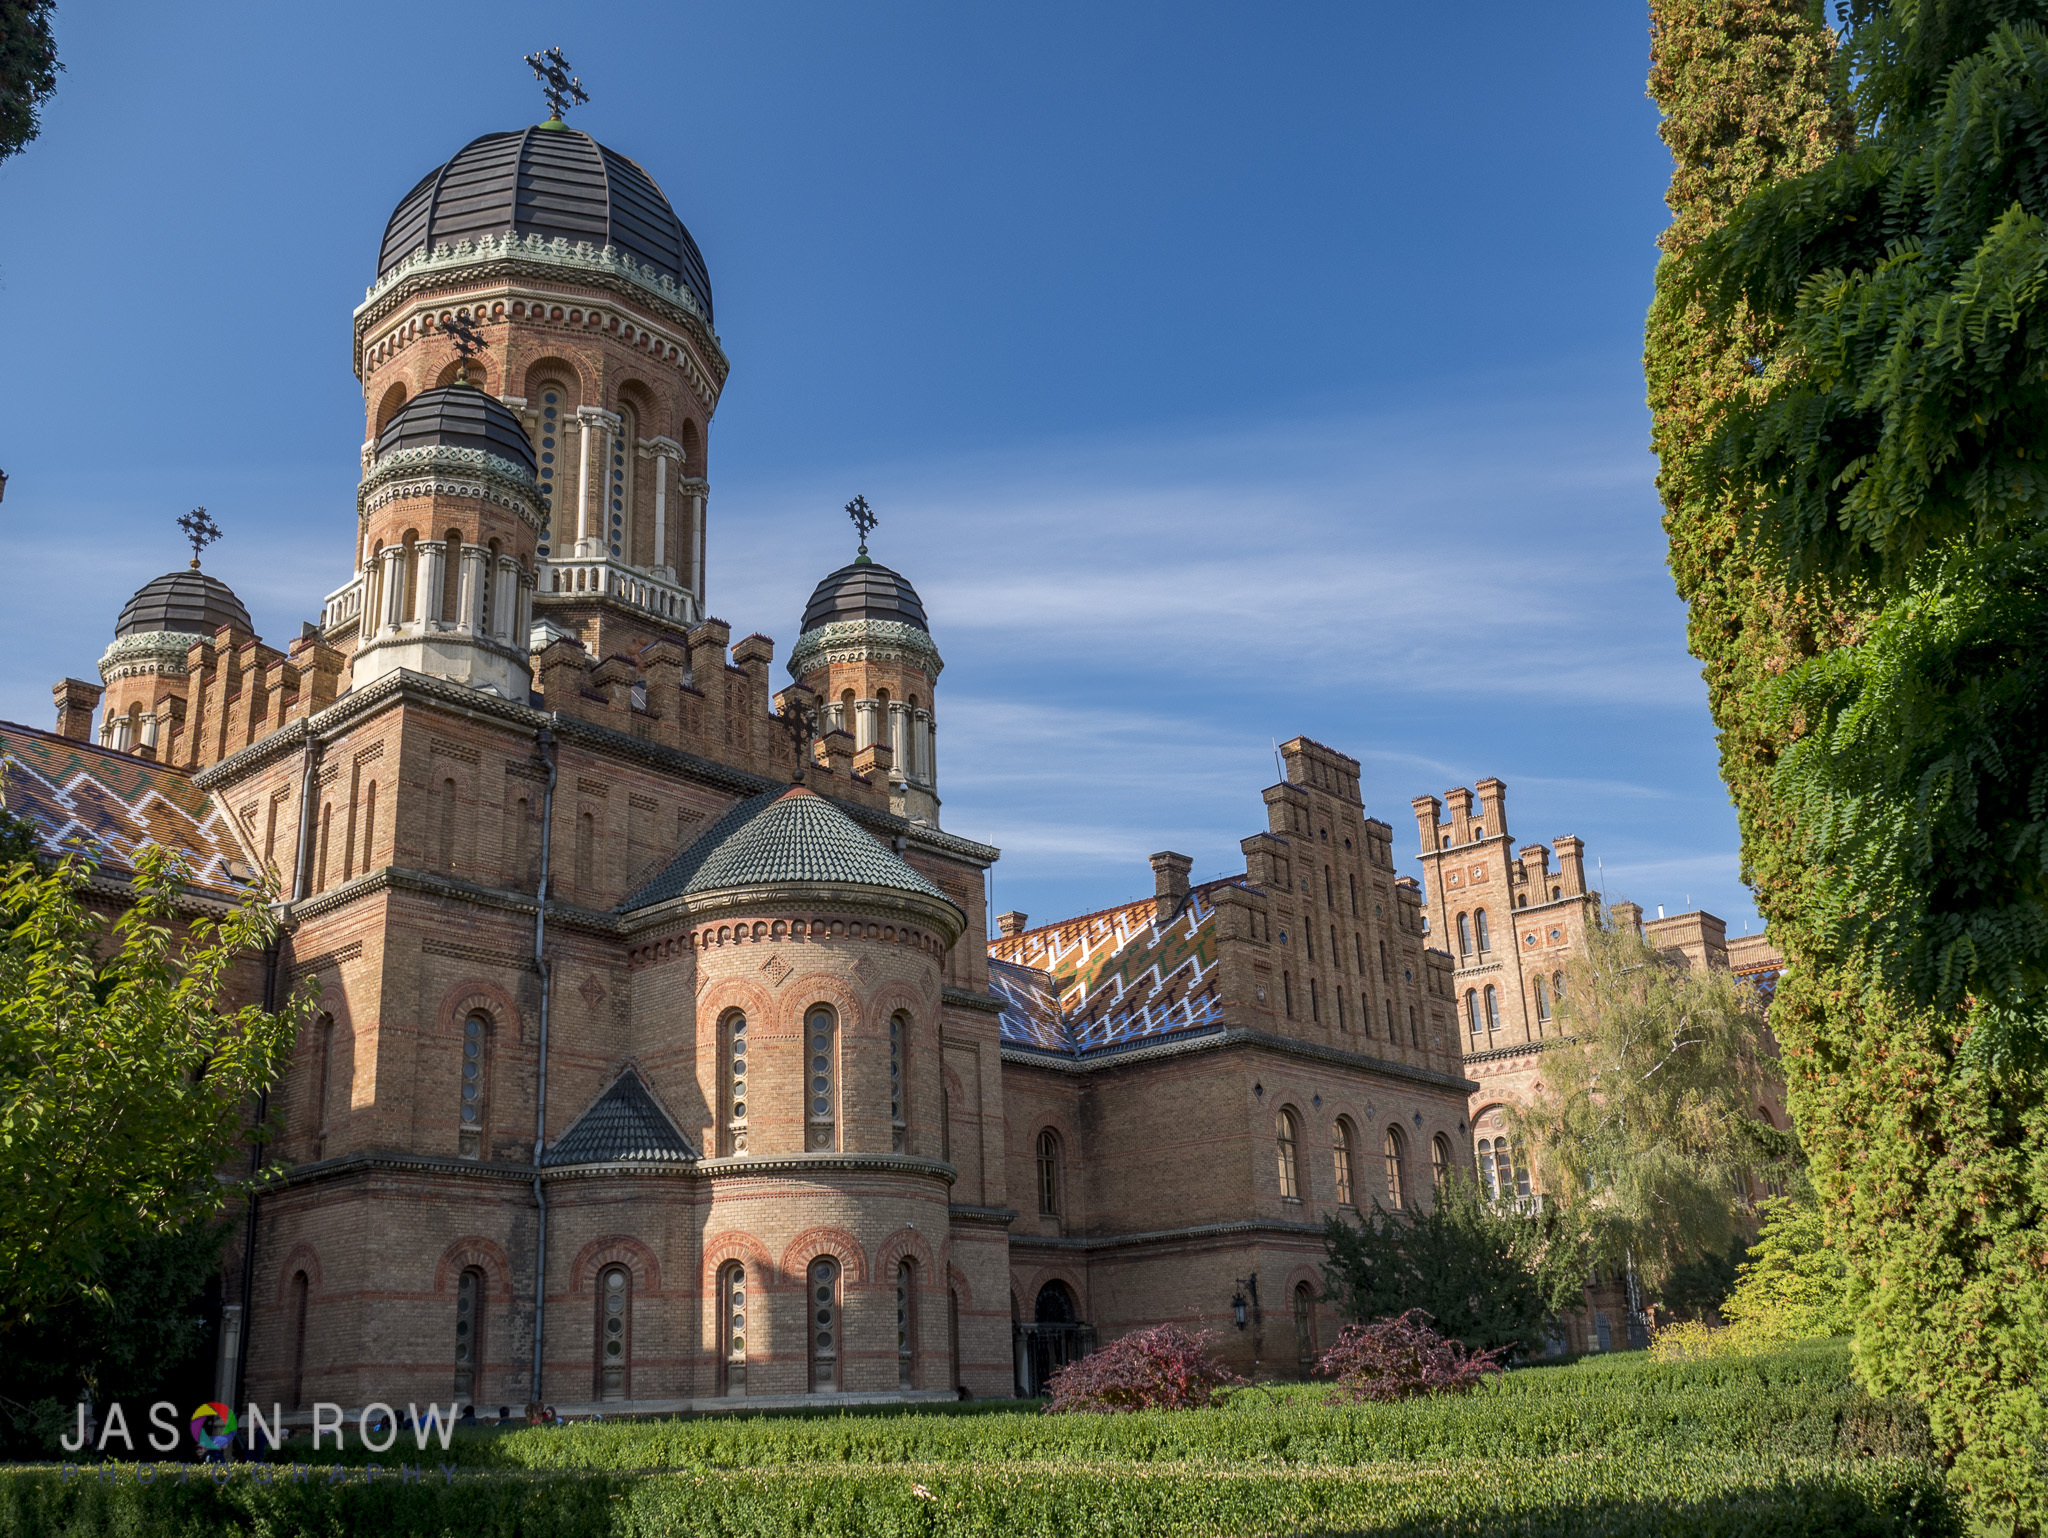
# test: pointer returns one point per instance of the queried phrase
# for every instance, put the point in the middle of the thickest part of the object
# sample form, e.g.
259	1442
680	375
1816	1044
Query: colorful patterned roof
108	805
1111	978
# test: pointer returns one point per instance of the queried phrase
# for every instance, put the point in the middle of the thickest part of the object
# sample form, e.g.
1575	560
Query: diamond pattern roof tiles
790	835
623	1125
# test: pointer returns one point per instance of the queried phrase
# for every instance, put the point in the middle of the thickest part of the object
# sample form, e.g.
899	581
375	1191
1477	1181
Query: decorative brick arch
819	986
957	1283
473	998
798	1254
615	1249
483	1254
721	1250
892	995
571	375
722	995
1028	1303
302	1257
905	1244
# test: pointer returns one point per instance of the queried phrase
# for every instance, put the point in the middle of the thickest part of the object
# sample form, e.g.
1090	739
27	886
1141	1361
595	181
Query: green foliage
1793	1286
1644	1124
28	69
1487	1274
123	1090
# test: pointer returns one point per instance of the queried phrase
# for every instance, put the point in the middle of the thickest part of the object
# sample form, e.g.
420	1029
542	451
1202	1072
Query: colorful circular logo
211	1411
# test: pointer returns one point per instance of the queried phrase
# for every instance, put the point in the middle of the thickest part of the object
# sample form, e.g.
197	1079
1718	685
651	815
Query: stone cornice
161	652
987	1003
444	470
784	1166
1520	1049
991	1217
1196	1232
785	897
1212	1038
865	640
397	878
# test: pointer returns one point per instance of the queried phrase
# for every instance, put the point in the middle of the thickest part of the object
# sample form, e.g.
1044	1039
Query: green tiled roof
781	835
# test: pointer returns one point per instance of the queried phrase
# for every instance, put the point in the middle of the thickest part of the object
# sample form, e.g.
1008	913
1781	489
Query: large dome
461	416
864	590
187	602
551	180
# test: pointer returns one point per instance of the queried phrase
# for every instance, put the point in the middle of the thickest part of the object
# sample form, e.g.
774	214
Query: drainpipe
302	873
270	967
546	740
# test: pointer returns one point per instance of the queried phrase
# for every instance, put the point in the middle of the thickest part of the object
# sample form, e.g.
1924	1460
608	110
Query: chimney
1428	813
1571	864
1459	800
1169	884
76	700
1628	917
1493	806
1012	923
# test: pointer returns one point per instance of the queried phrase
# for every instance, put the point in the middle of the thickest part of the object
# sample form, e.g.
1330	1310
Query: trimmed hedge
1533	1499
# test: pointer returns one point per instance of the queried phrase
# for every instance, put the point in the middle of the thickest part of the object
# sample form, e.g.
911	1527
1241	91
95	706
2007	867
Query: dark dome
551	180
187	601
461	415
864	591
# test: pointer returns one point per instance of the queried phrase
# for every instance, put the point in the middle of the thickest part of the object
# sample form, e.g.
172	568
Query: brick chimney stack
1169	884
76	701
1012	923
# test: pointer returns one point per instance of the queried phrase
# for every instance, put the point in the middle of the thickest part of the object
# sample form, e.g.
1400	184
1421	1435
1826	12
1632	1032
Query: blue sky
1219	372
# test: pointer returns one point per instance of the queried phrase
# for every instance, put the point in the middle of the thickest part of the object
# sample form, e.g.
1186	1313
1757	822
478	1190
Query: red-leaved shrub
1401	1359
1163	1368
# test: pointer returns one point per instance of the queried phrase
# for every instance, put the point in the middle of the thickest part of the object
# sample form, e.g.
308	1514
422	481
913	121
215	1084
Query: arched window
1439	1160
824	1324
387	408
552	442
451	579
586	853
369	822
1492	1008
1557	986
953	1332
736	1083
1056	1305
1472	1011
1489	1176
906	1324
1304	1327
1341	1147
899	1045
824	1058
620	497
1542	999
300	1288
732	1326
1288	1146
1386	972
1390	1019
323	1082
614	1331
1501	1170
1465	934
1049	1173
447	810
1414	1028
1479	928
475	1038
469	1336
1396	1180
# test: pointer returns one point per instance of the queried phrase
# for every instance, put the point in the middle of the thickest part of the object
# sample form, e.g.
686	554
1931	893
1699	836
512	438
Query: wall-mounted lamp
1245	1284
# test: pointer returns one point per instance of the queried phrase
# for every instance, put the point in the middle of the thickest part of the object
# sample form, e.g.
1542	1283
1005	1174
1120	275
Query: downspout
546	740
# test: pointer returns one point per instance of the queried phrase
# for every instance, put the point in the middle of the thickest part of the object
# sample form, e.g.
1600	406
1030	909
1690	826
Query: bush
1402	1358
1163	1368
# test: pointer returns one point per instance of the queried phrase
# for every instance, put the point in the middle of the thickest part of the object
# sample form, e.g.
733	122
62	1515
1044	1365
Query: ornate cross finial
563	89
468	340
799	718
199	529
863	518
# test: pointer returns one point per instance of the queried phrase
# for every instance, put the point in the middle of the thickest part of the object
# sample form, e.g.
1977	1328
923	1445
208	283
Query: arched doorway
1055	1336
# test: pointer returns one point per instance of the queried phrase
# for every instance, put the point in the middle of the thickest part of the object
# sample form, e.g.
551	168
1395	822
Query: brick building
642	1076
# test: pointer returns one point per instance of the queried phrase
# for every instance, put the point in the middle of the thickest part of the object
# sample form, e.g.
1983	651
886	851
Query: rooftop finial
563	89
468	340
199	529
863	518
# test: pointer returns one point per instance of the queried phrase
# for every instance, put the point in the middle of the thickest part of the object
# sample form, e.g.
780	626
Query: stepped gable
108	806
1110	979
622	1126
787	835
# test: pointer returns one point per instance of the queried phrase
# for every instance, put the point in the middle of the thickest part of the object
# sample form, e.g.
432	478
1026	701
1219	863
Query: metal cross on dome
864	520
468	340
200	530
563	89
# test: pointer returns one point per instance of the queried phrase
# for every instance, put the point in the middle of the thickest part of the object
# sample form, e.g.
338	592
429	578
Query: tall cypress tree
1848	362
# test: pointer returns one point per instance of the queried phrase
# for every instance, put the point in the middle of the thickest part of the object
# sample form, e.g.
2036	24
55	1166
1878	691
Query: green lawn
1780	1444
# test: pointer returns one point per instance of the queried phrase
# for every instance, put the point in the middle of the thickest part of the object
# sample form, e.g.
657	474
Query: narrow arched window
447	852
1390	1021
469	1336
1465	934
301	1287
1557	986
1479	928
1341	1147
1542	999
324	1083
1288	1146
822	1098
1304	1327
1396	1179
620	500
906	1324
1439	1160
1521	1164
1472	1011
586	853
823	1299
1386	972
1492	1008
614	1331
732	1326
736	1083
1414	1028
1489	1176
475	1039
899	1101
550	444
1049	1173
369	822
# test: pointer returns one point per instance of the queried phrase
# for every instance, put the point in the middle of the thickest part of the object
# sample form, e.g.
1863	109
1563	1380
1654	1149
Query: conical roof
460	416
864	590
790	835
623	1124
187	601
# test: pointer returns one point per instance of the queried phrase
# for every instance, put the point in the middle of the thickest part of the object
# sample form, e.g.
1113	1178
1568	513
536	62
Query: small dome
188	602
462	416
864	591
551	181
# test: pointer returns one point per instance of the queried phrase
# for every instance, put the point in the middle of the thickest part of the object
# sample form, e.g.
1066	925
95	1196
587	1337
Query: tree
1794	1285
125	1089
1489	1275
1877	669
28	69
1644	1128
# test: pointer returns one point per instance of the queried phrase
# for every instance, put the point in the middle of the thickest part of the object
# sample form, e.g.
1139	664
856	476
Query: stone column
469	598
697	541
899	737
524	624
922	736
585	422
432	554
864	723
393	588
505	599
149	730
660	561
